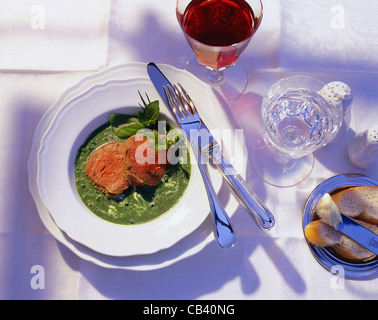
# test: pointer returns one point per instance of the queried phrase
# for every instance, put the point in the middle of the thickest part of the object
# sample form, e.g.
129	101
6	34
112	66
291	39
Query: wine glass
301	114
218	31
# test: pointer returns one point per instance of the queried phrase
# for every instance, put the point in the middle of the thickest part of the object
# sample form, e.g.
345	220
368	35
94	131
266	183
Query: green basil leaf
118	119
126	126
150	114
129	129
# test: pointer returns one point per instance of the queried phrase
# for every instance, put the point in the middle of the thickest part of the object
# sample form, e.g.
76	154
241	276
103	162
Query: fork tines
180	102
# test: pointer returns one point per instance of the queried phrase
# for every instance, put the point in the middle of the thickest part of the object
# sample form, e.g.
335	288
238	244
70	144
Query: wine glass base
230	82
275	173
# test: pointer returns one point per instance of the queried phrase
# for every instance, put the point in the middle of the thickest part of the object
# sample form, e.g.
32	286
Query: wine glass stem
214	75
286	161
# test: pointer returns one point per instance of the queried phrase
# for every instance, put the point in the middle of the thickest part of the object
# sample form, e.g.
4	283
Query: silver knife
253	205
359	233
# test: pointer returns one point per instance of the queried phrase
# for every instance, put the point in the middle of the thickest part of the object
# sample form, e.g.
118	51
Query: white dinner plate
69	129
187	246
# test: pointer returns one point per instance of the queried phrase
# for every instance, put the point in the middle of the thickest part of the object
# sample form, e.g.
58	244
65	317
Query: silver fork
189	120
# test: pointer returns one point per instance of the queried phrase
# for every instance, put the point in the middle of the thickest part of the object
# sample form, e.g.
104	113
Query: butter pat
328	211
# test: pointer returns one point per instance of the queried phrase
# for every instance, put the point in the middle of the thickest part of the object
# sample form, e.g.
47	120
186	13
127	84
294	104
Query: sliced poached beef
115	166
105	169
141	162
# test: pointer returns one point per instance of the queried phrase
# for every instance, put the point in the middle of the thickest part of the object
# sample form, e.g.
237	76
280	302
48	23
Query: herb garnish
126	126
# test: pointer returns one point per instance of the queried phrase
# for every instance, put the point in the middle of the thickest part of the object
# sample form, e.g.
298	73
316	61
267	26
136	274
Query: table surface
330	40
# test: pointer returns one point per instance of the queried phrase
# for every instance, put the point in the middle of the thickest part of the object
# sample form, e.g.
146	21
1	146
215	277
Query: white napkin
53	34
329	35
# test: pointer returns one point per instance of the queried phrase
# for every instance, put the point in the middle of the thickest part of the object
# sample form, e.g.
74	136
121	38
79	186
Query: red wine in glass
218	30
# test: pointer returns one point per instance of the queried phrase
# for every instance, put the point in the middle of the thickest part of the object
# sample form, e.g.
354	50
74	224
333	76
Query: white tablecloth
330	39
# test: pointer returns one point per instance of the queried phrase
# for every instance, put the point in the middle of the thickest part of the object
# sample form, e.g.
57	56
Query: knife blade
359	233
253	205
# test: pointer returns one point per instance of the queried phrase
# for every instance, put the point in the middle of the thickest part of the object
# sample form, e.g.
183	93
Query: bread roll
359	202
323	235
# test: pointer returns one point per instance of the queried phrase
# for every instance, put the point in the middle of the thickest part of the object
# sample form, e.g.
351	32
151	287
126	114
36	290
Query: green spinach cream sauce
136	205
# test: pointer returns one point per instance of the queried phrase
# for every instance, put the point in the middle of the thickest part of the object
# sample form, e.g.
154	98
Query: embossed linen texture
53	34
327	35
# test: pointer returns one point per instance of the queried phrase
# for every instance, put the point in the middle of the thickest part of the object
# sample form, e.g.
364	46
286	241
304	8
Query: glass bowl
325	256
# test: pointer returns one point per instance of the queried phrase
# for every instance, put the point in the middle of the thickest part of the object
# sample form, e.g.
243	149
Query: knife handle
222	227
251	202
